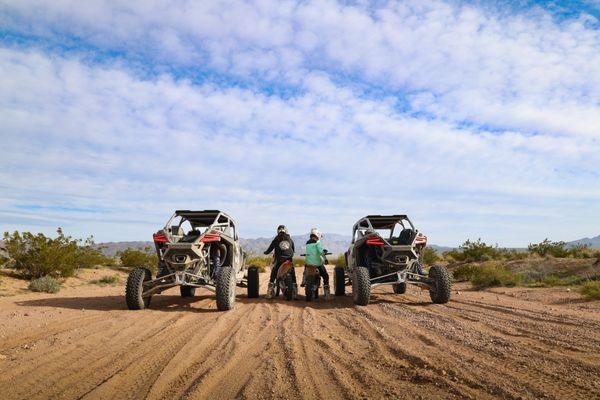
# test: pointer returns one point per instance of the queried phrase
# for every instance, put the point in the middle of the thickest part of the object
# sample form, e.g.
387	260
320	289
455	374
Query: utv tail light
375	242
211	238
159	238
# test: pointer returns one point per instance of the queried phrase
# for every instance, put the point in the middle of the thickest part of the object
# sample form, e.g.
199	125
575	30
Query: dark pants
276	268
324	275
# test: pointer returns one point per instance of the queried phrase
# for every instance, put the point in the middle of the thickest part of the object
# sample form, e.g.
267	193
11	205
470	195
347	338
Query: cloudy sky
478	119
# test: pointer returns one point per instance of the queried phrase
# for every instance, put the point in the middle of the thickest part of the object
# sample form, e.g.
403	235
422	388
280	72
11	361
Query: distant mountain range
593	243
333	242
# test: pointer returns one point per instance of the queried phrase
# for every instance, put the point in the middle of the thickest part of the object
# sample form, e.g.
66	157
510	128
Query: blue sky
478	119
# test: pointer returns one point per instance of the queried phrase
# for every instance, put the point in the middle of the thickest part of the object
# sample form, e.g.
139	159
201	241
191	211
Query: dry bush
591	290
45	284
106	280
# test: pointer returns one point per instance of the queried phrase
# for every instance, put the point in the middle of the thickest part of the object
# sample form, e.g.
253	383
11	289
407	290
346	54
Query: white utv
196	249
387	250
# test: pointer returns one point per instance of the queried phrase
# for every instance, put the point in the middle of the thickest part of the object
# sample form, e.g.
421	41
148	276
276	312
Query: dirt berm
504	343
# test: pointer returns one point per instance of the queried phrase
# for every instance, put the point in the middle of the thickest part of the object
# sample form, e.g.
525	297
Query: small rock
26	315
3	357
568	289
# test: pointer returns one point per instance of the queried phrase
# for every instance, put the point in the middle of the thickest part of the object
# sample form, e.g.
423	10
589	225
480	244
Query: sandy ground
504	343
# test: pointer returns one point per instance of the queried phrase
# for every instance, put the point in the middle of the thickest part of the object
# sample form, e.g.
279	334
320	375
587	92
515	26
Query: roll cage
211	220
378	223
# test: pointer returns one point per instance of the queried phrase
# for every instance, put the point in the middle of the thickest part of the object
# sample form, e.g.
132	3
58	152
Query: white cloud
95	137
503	128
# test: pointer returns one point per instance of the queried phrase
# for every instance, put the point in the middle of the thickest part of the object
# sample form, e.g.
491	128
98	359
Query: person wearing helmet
284	251
315	255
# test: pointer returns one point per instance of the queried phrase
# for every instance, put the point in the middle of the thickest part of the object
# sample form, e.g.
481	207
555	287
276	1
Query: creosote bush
430	256
133	258
35	255
492	274
591	290
46	284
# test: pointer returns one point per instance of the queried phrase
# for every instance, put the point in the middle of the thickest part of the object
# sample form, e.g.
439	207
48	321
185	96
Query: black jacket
283	246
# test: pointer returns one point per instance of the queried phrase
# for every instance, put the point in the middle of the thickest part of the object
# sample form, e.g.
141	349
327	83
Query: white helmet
315	231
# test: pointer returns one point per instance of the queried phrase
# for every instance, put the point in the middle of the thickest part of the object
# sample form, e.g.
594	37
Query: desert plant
35	255
591	290
45	284
340	261
548	248
430	256
474	251
463	272
492	274
134	258
106	280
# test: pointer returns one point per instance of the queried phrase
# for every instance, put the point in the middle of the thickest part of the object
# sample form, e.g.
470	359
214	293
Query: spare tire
361	286
339	281
440	284
135	288
253	282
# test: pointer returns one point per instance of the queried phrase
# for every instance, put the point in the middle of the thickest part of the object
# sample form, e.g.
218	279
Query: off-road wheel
361	286
135	288
289	287
400	288
440	284
252	282
339	281
309	285
187	291
225	289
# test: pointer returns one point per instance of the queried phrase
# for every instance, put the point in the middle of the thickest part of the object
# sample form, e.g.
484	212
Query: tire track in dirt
477	346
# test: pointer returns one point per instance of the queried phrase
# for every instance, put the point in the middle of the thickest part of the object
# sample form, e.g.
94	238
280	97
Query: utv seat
405	238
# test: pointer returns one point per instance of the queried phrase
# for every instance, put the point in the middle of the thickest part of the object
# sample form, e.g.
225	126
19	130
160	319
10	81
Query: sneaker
270	291
326	292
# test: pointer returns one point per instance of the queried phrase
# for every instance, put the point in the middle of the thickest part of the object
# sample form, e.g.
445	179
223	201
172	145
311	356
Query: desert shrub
35	255
262	262
591	290
492	274
475	251
512	254
430	256
340	261
106	280
134	258
548	248
46	284
463	272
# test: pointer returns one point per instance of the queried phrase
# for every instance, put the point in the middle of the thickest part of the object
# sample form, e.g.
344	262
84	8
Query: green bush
340	261
548	248
491	274
591	290
430	256
106	280
476	251
133	258
35	255
46	284
463	272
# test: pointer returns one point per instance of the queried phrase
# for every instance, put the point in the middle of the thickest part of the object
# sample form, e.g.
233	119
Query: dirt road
506	343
